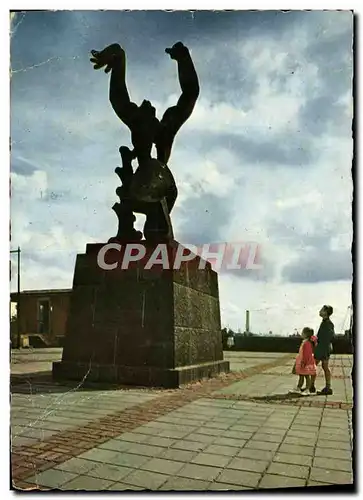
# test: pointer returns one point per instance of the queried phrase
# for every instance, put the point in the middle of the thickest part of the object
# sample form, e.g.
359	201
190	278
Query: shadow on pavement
36	383
278	397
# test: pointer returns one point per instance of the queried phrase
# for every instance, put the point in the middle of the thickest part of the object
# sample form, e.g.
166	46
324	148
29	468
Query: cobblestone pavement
240	431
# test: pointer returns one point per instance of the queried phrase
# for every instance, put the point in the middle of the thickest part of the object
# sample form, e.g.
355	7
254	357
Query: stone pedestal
137	326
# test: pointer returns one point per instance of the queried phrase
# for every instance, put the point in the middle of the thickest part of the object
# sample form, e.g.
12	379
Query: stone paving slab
240	363
273	481
188	439
184	484
51	413
86	483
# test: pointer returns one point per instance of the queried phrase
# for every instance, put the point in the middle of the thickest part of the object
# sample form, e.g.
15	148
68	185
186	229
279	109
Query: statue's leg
166	213
171	196
126	172
158	225
126	219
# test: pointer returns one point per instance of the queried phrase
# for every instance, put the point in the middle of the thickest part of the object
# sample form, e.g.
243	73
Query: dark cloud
265	273
22	167
203	217
279	149
333	55
324	112
320	266
231	24
61	259
47	29
316	261
222	75
288	235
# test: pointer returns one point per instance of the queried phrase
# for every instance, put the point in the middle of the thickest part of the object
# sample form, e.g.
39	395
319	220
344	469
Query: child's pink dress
305	362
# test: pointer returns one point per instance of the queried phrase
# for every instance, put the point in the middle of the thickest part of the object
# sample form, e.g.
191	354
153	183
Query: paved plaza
239	431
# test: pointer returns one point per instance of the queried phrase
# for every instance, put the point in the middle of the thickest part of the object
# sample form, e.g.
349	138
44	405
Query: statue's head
143	136
147	109
148	118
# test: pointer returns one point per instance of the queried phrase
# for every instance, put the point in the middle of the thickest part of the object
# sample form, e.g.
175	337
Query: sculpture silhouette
151	189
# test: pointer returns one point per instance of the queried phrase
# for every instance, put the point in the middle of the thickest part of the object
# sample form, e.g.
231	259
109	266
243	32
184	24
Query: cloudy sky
265	157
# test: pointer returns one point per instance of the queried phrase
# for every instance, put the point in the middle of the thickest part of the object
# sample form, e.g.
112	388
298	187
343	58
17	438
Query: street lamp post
351	326
18	302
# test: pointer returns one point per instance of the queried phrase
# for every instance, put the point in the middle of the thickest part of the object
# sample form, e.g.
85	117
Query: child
305	363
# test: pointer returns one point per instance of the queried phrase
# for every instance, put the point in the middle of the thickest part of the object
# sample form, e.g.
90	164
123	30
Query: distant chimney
247	321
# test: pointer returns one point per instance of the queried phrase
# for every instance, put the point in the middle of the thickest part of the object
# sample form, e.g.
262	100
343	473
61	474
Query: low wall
341	345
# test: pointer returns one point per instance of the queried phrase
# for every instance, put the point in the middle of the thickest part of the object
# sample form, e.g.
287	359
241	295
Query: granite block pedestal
147	327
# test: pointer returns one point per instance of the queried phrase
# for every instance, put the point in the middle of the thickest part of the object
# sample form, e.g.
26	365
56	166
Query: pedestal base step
138	375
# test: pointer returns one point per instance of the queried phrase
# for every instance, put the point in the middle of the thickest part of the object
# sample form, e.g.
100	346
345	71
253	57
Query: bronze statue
151	189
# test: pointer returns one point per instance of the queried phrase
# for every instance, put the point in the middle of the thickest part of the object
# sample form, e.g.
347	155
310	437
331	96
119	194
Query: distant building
43	313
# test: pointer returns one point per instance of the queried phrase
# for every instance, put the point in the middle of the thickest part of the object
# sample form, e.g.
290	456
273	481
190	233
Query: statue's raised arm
175	116
113	58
